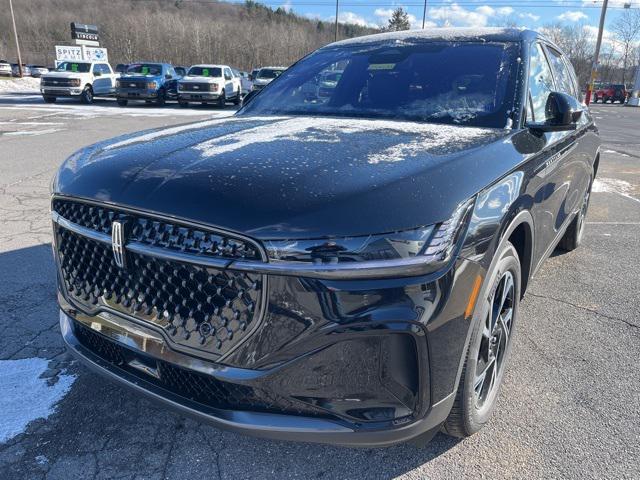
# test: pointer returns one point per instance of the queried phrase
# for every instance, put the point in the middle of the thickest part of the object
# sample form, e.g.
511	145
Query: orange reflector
477	283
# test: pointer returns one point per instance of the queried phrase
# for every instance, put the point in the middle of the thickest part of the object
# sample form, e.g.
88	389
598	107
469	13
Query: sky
472	13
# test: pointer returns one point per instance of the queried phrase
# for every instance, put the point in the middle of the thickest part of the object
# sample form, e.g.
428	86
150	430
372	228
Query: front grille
59	82
198	307
190	384
124	83
155	232
195	87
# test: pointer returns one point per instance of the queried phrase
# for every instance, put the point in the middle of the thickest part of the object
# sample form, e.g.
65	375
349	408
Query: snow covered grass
19	85
25	396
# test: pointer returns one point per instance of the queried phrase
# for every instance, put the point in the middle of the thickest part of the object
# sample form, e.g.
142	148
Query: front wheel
222	100
49	99
489	348
162	98
87	95
183	104
122	102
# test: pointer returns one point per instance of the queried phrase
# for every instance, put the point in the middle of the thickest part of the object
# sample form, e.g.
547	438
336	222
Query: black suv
343	268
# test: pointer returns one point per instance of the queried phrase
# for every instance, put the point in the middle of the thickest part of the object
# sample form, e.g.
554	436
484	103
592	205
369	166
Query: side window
171	72
227	74
540	83
96	68
562	75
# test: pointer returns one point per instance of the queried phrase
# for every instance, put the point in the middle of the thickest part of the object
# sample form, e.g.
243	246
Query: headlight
213	87
117	83
404	253
75	82
152	85
180	86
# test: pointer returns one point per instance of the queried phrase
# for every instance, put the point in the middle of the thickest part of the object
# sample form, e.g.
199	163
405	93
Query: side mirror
168	77
97	74
563	113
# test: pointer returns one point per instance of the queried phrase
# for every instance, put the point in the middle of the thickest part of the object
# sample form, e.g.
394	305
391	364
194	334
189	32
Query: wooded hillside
182	32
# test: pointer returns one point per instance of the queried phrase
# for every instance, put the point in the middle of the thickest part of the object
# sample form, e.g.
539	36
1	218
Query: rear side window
562	75
540	84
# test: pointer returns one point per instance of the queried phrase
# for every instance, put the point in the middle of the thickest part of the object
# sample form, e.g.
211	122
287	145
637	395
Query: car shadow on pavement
103	428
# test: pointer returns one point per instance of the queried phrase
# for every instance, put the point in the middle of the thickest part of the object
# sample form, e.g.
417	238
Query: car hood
293	177
193	79
55	74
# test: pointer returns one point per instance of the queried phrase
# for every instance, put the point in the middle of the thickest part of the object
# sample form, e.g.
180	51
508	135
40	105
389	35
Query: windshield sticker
205	72
74	67
382	66
145	70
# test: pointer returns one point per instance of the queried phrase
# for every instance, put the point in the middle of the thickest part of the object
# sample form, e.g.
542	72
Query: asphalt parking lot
568	409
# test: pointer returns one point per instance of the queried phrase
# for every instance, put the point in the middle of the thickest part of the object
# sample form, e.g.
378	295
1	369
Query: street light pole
594	68
335	36
15	32
424	13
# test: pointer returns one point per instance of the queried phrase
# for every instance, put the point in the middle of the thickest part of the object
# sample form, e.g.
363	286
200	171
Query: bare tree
627	31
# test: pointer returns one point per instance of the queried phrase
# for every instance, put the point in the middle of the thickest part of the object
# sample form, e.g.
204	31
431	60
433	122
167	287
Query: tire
183	104
475	399
162	98
86	96
122	102
49	99
222	100
605	99
572	238
238	100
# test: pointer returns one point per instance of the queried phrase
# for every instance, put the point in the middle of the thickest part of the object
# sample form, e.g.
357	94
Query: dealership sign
81	31
74	53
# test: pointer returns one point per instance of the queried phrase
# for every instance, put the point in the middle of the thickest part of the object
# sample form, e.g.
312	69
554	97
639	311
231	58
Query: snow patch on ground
612	185
617	153
32	132
25	396
26	84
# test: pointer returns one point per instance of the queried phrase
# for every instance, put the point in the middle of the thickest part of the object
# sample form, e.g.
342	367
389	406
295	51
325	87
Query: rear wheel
572	238
238	99
49	99
122	102
489	348
222	100
87	95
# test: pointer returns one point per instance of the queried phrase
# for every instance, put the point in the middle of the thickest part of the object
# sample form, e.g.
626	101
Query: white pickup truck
209	84
84	80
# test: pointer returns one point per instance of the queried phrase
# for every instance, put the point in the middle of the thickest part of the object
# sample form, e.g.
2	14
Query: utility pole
424	13
15	32
335	37
594	68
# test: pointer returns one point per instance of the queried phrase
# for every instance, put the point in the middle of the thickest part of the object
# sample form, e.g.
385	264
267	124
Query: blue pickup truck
151	82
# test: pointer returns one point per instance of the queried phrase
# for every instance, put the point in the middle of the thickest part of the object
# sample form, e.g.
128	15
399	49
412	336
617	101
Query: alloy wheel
495	340
583	212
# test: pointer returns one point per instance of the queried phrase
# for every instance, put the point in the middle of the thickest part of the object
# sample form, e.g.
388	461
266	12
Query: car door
552	165
101	79
171	82
230	87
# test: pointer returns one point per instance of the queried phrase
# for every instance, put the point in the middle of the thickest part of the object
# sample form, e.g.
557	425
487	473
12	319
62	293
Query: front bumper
136	94
61	91
198	96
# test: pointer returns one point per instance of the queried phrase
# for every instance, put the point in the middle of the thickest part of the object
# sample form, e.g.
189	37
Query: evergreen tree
399	20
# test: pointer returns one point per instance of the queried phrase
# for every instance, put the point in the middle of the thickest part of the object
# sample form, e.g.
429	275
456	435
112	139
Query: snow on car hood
275	177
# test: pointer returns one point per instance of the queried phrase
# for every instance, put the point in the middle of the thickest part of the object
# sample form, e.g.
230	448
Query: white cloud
529	16
354	18
572	16
457	15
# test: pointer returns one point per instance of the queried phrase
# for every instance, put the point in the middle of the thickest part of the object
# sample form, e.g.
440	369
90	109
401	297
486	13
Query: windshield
205	72
466	83
144	69
269	73
73	67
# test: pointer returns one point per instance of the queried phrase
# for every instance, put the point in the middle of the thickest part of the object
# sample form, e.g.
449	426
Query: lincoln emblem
117	244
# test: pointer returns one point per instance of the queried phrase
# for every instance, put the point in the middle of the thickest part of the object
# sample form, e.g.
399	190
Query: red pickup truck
616	92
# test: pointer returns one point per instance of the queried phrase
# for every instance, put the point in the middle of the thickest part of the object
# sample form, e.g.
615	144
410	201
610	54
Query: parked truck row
154	82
